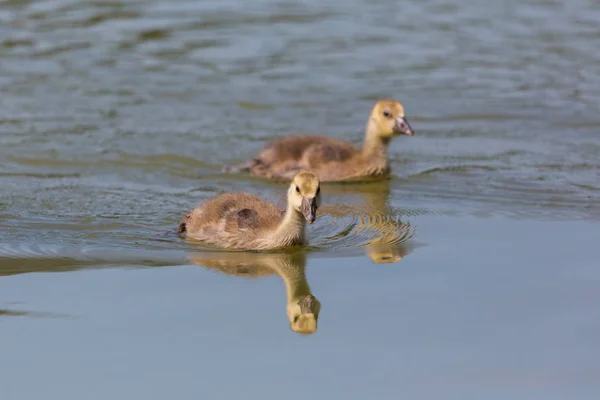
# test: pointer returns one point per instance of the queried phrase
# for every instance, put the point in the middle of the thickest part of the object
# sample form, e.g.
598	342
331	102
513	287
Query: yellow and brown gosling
333	159
244	221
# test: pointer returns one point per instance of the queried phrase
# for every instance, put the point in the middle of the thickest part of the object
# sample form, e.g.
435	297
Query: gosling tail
246	166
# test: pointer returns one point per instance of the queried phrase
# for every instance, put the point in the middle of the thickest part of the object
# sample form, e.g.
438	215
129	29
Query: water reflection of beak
306	322
309	209
402	127
306	304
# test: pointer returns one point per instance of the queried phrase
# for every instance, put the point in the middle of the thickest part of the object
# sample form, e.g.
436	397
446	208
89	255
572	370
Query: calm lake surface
472	273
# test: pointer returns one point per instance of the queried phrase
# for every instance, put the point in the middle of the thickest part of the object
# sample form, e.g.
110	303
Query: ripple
31	314
153	34
17	42
228	20
48	51
28	258
39	175
175	161
383	237
454	168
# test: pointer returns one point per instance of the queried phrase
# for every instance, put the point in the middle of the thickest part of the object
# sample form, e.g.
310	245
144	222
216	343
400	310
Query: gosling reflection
302	306
383	253
392	243
390	237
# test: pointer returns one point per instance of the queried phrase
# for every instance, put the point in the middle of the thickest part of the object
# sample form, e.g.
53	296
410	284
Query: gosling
333	159
243	221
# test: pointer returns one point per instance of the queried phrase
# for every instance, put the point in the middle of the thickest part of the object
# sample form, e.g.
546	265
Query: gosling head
303	314
305	194
387	120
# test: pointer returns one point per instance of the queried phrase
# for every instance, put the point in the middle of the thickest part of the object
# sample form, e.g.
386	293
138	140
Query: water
472	273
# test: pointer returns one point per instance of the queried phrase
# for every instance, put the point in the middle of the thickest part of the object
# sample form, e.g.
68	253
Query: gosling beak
402	127
306	304
309	209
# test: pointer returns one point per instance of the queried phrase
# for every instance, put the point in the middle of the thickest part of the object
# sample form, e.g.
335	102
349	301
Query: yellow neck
291	230
374	146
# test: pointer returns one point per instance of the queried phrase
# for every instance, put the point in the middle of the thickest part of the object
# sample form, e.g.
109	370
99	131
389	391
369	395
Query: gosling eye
387	114
296	318
297	189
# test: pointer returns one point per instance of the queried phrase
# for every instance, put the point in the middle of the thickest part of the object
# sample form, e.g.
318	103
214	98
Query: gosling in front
244	221
333	159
